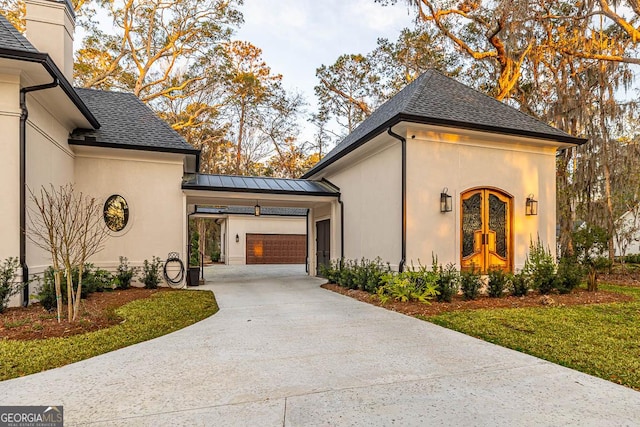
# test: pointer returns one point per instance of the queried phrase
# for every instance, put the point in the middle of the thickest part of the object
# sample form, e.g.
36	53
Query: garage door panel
276	248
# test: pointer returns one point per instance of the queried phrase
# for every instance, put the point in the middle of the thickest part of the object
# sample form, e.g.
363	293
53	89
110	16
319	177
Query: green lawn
601	340
144	319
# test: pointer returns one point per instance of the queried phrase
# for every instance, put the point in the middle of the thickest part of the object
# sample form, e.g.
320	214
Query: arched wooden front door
486	224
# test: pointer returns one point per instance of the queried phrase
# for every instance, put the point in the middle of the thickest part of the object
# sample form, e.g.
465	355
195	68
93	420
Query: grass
601	340
143	320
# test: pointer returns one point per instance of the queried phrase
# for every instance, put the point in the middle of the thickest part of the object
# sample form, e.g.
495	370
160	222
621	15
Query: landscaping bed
154	313
98	312
533	299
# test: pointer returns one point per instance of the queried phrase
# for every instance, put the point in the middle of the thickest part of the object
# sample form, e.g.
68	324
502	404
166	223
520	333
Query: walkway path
283	351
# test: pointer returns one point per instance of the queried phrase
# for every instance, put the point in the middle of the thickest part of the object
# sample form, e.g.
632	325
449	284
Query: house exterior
438	170
439	140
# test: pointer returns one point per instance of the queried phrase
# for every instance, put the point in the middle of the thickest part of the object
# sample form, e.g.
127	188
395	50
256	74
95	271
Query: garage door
276	248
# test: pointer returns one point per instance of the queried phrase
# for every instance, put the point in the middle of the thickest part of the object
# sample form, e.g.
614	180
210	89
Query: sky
297	36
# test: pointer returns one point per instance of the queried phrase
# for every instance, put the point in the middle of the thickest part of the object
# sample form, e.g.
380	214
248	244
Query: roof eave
439	122
192	186
54	71
568	139
85	143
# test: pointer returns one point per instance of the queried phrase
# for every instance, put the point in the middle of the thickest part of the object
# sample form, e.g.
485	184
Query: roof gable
436	99
11	38
126	122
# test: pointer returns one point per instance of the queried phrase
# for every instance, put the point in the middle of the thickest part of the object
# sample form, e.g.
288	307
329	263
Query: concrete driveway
283	351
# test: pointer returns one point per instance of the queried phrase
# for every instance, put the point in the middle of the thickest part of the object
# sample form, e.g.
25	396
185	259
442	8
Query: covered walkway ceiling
203	189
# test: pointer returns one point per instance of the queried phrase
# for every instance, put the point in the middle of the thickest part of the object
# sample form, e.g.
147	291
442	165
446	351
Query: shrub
347	274
447	282
8	284
124	274
570	274
470	283
371	273
408	286
520	284
151	273
194	250
93	280
47	292
498	282
541	267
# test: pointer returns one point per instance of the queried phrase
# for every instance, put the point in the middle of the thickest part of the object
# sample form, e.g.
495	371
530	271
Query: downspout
403	260
306	267
24	114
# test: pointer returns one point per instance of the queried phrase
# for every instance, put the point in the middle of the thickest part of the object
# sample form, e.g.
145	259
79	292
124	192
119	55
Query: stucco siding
436	161
371	190
150	183
9	165
244	224
50	162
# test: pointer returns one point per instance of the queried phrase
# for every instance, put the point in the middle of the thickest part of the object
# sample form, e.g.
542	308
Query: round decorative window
116	213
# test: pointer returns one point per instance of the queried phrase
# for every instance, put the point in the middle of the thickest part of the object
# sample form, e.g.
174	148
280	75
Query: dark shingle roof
249	210
258	184
434	98
10	38
126	122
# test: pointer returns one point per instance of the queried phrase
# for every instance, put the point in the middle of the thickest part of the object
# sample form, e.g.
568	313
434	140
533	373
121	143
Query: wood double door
486	230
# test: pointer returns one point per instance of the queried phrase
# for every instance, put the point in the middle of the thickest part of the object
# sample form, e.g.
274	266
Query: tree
250	86
155	41
69	226
348	90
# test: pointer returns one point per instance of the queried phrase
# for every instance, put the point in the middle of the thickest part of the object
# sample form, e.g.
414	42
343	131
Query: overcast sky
297	36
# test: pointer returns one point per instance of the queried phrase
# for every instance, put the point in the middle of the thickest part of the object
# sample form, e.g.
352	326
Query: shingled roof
127	123
436	99
10	38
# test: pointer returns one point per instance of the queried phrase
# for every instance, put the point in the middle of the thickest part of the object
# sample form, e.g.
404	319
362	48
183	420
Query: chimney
50	26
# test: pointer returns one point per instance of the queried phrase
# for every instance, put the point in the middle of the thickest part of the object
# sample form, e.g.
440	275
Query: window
116	213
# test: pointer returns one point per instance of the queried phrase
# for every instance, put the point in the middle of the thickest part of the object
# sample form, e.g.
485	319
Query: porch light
237	239
445	201
531	206
256	209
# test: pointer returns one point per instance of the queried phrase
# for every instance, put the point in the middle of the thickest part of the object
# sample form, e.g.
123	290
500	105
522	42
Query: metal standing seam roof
249	210
258	184
436	99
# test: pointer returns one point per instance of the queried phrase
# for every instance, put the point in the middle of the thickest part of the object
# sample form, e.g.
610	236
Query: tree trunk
240	136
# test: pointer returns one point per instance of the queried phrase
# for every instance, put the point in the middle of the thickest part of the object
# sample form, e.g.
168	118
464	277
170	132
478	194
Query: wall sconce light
531	206
256	209
445	201
237	239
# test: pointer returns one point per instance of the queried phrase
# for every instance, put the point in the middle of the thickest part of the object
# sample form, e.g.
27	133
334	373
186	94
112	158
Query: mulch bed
97	312
577	297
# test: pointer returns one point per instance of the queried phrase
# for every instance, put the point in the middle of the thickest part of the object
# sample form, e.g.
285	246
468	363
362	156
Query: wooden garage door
276	248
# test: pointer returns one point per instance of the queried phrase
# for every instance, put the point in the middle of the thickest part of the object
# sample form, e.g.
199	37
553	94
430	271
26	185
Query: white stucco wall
9	165
370	188
150	183
247	224
50	161
438	159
